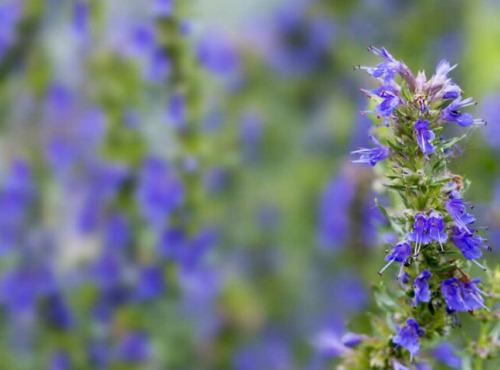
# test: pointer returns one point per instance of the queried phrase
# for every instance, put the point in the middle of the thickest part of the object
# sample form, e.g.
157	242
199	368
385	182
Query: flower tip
379	273
362	112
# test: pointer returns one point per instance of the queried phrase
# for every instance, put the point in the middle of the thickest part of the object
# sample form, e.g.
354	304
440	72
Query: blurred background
175	185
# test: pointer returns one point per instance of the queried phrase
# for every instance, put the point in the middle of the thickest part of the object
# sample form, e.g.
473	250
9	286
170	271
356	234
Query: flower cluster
435	223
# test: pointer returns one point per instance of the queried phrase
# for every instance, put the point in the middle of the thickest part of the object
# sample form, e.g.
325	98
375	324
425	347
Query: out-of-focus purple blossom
421	287
407	337
158	66
251	132
446	354
462	296
134	348
272	353
10	14
103	181
216	180
333	219
57	312
299	43
176	110
150	283
81	19
117	233
424	136
490	108
217	53
159	191
60	361
16	195
171	243
21	288
162	8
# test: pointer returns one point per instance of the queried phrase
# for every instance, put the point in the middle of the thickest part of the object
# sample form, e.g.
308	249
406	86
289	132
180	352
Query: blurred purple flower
10	14
162	8
490	108
133	348
60	360
150	283
334	209
446	354
117	233
217	53
16	195
462	296
176	110
251	132
159	191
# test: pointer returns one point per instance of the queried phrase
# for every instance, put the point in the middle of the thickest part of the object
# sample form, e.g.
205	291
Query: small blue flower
176	110
390	102
462	296
400	252
389	68
163	8
421	287
452	114
150	283
218	54
159	191
373	155
436	228
469	244
408	337
424	136
457	209
134	348
446	354
420	233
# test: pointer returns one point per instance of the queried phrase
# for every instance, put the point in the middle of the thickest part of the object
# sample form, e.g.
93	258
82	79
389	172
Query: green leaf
383	211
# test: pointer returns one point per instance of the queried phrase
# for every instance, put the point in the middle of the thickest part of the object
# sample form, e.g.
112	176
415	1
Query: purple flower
134	348
373	155
389	68
117	234
457	209
469	244
158	66
57	312
424	136
217	54
176	110
60	360
389	103
159	191
400	252
446	354
250	135
408	337
421	287
80	19
452	114
435	223
150	283
162	8
334	221
462	296
420	232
